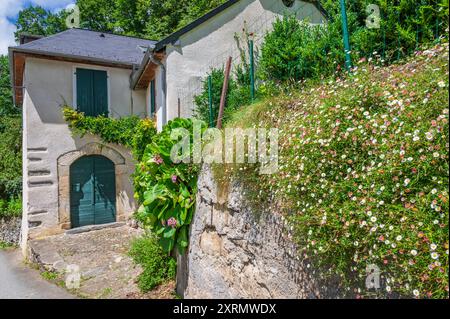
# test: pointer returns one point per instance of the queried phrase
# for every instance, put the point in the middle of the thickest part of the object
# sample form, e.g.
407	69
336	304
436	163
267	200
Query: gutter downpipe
164	86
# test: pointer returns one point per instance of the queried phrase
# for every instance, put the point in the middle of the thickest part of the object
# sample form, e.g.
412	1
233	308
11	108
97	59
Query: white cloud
6	35
9	9
50	4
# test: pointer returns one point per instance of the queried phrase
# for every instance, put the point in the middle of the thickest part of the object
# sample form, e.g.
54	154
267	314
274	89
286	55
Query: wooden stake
179	107
223	97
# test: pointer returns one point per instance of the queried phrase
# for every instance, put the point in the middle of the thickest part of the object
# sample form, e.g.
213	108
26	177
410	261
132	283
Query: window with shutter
92	92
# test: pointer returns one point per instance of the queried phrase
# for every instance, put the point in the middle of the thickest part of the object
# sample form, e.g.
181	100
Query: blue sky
9	9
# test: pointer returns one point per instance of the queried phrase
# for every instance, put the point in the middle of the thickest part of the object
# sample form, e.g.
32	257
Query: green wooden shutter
100	92
85	94
92	92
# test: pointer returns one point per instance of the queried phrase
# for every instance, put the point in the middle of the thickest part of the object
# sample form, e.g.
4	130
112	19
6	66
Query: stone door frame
64	163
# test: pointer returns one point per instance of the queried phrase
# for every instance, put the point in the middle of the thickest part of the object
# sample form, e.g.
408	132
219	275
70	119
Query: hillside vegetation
364	168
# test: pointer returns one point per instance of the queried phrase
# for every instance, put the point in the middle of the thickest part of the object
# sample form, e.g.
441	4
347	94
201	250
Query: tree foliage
38	21
10	156
10	138
143	18
6	101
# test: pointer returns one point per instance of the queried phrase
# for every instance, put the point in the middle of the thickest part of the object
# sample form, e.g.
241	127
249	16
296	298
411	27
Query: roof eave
127	65
149	58
135	76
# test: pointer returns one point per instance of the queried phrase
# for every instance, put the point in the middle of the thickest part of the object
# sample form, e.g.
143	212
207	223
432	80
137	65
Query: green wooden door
92	191
92	92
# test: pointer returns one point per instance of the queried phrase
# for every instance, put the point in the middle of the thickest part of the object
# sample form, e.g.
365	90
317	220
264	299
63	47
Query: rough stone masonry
233	254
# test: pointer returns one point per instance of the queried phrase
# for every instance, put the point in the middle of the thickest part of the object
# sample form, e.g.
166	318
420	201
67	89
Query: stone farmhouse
71	182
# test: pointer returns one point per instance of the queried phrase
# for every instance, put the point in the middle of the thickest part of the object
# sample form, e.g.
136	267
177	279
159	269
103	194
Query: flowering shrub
364	168
166	190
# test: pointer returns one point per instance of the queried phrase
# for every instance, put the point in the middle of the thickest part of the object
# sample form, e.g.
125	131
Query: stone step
89	228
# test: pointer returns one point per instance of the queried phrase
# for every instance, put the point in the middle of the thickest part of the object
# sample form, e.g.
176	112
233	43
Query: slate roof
89	45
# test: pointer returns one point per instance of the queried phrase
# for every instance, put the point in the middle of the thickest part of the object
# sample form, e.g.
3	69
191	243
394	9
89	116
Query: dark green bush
238	94
6	101
157	265
10	208
295	50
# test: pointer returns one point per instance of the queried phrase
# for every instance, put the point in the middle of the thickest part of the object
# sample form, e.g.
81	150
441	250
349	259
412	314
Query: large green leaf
158	191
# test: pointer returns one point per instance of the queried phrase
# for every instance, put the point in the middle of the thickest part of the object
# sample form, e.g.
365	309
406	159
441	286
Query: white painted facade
49	85
209	45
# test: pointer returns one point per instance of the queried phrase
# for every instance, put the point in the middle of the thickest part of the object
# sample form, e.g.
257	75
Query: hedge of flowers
364	168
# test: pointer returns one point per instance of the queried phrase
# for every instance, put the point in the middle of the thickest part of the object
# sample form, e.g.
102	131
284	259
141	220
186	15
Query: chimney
25	38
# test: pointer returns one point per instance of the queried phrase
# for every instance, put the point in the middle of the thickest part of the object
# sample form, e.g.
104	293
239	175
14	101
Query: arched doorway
92	191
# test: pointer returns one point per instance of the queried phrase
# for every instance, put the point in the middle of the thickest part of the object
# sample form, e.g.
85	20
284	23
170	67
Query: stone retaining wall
233	254
10	230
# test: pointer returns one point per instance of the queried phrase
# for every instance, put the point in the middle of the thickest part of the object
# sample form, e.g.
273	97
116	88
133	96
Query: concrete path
17	281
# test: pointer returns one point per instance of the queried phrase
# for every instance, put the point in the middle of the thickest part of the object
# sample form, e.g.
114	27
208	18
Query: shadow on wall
123	160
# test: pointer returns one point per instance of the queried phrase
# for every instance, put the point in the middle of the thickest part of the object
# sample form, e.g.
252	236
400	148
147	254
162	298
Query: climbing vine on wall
132	132
165	190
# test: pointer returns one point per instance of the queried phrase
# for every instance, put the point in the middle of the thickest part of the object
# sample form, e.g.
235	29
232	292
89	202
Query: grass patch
157	265
5	245
49	275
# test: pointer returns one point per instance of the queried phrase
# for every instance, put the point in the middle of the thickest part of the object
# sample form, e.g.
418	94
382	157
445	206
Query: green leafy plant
158	266
131	132
167	190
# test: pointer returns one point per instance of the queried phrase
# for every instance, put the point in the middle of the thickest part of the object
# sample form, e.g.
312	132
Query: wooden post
223	97
179	107
252	70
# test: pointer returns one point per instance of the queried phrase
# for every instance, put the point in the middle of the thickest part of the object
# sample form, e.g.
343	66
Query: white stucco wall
49	85
212	42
